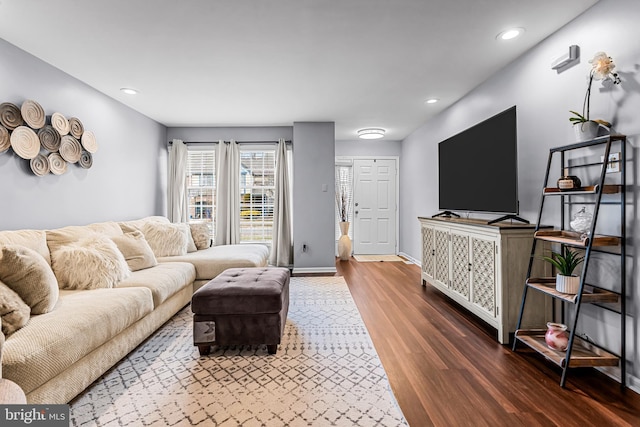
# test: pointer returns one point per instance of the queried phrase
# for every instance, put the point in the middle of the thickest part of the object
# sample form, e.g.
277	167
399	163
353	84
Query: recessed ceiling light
371	133
129	91
509	34
431	101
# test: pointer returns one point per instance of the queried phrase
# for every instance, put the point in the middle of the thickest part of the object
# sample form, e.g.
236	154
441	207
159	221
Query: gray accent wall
128	177
543	98
314	196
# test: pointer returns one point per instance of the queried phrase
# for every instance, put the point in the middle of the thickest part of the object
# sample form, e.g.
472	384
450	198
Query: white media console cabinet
483	268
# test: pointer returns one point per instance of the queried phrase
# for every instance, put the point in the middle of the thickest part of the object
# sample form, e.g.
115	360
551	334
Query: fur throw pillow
13	311
165	239
29	275
90	263
136	250
201	235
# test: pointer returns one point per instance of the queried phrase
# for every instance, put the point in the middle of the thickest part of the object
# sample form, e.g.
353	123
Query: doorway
375	207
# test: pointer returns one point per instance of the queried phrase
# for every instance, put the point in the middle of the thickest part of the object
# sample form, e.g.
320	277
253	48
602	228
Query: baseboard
410	258
633	383
310	270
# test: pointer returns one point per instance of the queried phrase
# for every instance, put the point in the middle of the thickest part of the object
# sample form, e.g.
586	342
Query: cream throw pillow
201	235
191	245
165	239
13	311
27	273
136	250
89	263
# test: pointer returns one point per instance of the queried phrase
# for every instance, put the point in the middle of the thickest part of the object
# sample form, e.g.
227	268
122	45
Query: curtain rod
239	142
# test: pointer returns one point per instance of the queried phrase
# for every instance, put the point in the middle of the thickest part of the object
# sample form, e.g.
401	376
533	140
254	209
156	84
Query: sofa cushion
13	311
81	322
214	260
165	239
89	263
136	224
73	233
32	239
28	274
201	235
136	250
164	280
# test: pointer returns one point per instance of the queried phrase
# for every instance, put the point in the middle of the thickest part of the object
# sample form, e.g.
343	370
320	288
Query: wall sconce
567	58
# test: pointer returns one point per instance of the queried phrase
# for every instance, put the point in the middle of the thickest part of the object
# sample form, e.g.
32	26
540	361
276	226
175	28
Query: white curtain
281	247
227	194
177	194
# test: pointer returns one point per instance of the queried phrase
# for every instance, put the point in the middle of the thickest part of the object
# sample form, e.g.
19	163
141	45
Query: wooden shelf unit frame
580	352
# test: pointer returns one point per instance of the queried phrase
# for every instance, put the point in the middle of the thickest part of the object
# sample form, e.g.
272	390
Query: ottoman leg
204	349
272	348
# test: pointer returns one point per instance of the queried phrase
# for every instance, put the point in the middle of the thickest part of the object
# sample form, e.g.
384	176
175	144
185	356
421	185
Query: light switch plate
614	162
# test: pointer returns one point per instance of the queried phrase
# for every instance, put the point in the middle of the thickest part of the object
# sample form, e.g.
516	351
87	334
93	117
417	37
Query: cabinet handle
433	252
469	266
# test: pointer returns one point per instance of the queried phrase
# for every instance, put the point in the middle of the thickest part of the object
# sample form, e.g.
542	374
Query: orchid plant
602	67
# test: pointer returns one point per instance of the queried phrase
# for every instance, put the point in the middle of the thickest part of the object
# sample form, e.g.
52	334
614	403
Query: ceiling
358	63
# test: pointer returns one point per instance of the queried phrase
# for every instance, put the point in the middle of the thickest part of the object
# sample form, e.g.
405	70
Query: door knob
356	203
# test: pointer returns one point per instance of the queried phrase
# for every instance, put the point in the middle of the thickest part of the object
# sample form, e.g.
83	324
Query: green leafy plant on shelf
565	262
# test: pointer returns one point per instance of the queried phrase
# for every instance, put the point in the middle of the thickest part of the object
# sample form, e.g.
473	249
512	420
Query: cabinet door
483	270
441	267
460	271
428	251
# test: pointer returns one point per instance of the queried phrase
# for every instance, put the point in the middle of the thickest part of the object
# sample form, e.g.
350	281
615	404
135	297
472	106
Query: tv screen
477	168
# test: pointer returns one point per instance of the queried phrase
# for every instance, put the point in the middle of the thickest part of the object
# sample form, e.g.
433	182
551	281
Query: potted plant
566	263
344	243
601	69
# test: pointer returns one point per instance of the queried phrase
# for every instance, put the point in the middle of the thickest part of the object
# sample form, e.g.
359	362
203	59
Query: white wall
128	176
543	99
239	133
363	148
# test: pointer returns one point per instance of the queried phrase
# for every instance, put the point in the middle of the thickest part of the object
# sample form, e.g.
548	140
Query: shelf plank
592	189
572	238
547	285
583	354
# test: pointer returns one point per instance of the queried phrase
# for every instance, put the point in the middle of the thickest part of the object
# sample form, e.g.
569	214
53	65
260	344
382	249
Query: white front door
374	197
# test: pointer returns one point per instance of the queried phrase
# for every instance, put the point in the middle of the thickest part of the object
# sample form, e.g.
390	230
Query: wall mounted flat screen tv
477	168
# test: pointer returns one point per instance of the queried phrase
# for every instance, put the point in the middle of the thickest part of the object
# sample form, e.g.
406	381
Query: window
201	187
344	184
257	191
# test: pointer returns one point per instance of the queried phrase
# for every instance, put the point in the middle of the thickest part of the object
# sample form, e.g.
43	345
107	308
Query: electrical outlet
614	162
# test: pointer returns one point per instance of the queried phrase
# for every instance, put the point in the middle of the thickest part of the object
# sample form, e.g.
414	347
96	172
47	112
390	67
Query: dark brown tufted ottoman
241	306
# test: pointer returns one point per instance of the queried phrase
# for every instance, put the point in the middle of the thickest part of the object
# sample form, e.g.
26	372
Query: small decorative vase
344	243
585	130
569	183
567	284
556	336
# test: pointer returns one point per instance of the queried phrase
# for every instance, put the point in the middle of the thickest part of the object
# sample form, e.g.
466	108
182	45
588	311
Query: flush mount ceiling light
371	133
509	34
129	91
431	101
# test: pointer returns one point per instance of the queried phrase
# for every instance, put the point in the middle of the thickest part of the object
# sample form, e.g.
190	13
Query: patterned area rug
326	373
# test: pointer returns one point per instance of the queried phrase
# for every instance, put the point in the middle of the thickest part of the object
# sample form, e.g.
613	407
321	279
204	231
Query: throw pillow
201	235
165	239
27	273
136	250
89	263
13	311
191	245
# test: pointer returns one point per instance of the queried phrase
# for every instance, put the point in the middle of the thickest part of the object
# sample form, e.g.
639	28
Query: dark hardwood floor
446	368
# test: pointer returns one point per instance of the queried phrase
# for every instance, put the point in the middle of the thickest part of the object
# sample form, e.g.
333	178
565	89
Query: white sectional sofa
58	354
